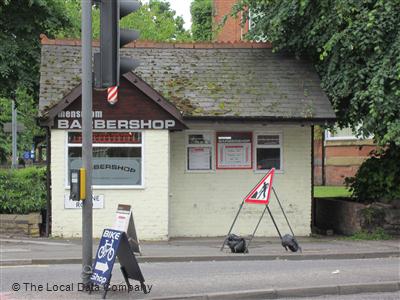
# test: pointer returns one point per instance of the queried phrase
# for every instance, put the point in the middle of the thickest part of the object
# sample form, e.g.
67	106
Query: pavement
25	251
15	251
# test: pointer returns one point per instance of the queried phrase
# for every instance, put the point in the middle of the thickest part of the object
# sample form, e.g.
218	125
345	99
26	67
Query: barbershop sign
72	120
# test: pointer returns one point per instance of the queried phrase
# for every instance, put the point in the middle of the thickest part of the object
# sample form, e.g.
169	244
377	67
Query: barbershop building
195	127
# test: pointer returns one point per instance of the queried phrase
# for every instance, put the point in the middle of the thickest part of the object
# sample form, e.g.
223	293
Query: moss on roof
206	82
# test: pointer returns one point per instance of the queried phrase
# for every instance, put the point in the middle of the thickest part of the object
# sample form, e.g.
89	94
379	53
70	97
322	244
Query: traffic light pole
87	217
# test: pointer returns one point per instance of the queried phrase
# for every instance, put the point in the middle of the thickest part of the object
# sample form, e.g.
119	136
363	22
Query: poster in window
199	158
234	156
234	151
113	170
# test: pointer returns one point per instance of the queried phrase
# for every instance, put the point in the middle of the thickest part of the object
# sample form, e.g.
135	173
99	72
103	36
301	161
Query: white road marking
34	242
14	250
24	266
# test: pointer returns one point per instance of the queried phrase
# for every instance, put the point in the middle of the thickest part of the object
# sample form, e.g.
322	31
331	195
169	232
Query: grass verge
331	191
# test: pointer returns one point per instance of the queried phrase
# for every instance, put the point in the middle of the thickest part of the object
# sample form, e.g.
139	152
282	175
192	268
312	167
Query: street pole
87	217
14	127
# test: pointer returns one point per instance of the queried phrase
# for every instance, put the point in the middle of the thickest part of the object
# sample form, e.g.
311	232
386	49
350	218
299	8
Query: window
234	150
117	157
199	149
345	133
340	134
268	151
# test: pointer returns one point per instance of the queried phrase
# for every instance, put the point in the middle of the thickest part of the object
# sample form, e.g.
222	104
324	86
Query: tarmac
44	251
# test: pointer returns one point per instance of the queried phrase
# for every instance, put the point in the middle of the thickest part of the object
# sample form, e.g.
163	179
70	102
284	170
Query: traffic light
108	65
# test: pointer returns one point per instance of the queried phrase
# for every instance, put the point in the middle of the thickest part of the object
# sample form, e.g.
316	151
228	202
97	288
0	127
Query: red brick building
339	155
232	31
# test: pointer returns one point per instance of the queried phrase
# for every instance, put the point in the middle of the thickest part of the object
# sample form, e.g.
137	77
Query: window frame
116	145
256	146
211	133
251	134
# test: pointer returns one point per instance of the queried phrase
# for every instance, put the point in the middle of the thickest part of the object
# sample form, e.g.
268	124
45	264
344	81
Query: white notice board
199	158
234	155
97	200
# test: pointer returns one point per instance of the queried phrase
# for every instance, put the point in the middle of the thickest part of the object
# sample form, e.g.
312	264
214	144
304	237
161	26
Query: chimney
231	31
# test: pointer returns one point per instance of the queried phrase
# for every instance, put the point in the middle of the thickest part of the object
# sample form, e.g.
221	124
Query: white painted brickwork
200	204
150	204
204	204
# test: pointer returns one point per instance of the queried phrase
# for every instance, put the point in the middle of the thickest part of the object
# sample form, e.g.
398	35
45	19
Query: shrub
375	235
378	178
22	190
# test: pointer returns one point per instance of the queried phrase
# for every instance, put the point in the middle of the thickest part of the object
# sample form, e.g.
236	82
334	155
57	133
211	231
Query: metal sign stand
255	229
280	205
259	221
233	224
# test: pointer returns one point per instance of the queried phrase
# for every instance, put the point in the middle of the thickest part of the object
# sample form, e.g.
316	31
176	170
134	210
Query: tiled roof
240	80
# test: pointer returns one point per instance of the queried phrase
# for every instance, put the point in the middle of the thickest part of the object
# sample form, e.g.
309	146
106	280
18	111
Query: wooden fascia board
155	96
48	118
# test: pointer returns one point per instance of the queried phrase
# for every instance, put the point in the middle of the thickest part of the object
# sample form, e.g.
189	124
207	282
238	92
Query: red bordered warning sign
261	192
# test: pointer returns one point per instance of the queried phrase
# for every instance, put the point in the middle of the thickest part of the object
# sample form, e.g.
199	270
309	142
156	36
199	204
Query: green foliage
378	178
26	115
364	235
21	24
201	11
155	21
331	191
355	46
372	218
26	190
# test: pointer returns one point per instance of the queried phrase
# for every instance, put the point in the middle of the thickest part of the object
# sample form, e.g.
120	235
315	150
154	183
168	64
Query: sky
182	8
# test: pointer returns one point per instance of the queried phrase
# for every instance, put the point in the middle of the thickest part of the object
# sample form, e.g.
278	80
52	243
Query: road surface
169	279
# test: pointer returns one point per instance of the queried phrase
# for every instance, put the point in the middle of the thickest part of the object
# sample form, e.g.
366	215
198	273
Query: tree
201	11
21	24
26	115
155	21
355	46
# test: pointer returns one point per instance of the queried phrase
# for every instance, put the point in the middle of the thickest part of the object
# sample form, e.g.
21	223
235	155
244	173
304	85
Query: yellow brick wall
204	204
150	204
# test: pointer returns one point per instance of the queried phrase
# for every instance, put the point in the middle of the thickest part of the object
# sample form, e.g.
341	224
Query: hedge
378	178
22	190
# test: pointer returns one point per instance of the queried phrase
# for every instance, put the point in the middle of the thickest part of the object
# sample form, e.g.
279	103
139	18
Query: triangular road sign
261	192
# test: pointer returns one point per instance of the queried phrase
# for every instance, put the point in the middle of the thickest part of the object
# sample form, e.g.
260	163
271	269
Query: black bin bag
236	243
290	242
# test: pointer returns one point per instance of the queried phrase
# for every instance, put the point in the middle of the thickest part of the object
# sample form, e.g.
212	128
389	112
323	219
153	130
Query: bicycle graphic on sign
106	250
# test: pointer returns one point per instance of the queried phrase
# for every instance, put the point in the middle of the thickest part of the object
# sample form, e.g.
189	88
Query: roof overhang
47	119
258	119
